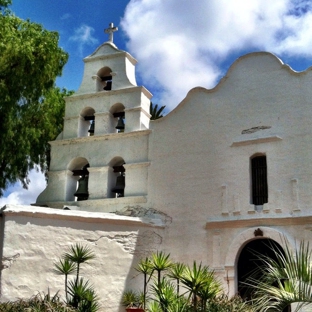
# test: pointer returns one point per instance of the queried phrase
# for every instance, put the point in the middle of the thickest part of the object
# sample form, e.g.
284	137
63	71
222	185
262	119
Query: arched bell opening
249	260
77	180
117	119
87	122
116	178
104	79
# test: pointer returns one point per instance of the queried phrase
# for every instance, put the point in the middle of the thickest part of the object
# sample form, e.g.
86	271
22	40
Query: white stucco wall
190	172
35	238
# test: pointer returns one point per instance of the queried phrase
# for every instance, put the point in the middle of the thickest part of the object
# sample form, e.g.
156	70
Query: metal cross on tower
110	31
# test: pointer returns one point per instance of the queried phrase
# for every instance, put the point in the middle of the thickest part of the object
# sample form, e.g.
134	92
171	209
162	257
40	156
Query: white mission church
226	170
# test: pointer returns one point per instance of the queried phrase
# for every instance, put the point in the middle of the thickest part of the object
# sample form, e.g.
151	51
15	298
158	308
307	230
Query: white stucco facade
187	176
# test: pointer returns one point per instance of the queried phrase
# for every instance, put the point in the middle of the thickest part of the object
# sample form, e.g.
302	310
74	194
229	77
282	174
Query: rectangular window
259	180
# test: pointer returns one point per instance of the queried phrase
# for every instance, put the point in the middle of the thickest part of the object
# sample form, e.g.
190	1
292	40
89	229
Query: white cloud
181	43
19	196
83	36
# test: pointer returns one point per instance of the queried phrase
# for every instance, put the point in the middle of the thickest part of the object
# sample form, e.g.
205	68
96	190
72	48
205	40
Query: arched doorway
249	261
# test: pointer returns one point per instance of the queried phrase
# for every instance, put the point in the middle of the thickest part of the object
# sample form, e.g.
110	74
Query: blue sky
180	44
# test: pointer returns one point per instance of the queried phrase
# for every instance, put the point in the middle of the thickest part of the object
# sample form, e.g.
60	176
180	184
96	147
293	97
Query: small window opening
119	188
82	189
259	180
121	123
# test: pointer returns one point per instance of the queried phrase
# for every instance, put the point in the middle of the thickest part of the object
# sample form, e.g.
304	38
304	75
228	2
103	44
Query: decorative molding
216	250
224	208
258	232
136	165
255	220
237	206
255	140
98	205
295	194
98	94
101	137
137	108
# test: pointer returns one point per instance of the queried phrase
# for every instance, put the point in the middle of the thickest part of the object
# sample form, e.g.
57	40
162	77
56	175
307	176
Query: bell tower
100	160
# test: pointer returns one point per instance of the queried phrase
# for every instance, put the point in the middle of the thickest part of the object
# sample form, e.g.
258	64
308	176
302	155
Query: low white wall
34	238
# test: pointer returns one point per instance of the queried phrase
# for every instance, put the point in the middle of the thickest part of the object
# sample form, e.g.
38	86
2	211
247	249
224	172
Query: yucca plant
144	267
284	280
176	272
79	293
160	262
154	307
210	289
195	279
65	267
79	254
82	296
164	293
131	298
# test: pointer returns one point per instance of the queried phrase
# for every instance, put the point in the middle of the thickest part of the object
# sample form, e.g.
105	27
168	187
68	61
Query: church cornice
103	137
110	56
109	93
255	140
257	220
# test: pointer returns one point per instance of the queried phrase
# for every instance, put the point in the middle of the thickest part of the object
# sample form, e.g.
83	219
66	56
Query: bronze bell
120	186
82	190
91	129
120	124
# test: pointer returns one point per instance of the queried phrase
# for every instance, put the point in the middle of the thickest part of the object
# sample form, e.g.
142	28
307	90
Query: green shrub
37	303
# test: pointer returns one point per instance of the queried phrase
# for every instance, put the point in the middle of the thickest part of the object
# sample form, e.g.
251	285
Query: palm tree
66	267
79	254
155	112
284	281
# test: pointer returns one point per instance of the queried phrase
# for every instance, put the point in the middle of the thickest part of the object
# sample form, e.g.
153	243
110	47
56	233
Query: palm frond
155	112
